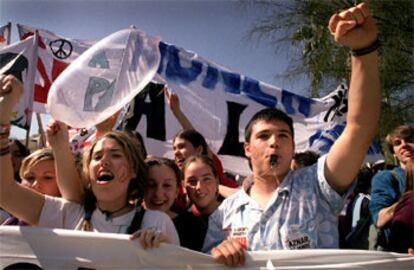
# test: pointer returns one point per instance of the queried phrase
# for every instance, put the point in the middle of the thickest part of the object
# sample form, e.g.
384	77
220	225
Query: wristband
373	47
5	129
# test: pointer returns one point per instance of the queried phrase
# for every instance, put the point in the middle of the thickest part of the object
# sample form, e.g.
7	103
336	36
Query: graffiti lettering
325	138
231	145
98	85
340	107
233	83
99	60
154	111
304	106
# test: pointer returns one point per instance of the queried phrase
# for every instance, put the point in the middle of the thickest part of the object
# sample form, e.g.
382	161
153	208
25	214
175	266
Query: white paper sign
65	249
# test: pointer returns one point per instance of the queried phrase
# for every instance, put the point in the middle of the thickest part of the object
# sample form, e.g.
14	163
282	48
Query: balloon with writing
104	78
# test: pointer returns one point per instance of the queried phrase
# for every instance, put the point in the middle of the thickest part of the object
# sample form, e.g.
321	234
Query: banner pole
27	138
41	131
9	25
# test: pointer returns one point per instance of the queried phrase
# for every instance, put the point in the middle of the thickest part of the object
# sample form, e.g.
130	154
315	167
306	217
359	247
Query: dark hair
23	152
20	63
194	137
304	159
22	149
363	179
267	114
405	132
158	161
136	135
209	162
204	159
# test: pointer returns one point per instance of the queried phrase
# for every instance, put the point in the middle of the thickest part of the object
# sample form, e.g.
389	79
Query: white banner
55	54
219	103
65	249
19	59
5	33
104	78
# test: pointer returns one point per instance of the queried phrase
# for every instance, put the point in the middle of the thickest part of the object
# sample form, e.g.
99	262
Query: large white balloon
104	78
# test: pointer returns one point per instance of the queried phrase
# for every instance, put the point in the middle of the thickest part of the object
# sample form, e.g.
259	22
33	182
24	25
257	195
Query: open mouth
179	161
407	153
158	203
105	177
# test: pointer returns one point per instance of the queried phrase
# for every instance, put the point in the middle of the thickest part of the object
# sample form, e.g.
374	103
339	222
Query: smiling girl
163	185
37	172
202	184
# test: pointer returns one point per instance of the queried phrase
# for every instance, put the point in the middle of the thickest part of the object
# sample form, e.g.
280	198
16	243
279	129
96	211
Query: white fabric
59	213
356	213
24	51
104	78
48	65
5	32
206	89
63	249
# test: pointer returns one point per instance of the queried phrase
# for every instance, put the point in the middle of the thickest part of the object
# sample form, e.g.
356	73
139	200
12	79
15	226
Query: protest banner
55	53
41	248
104	78
217	101
19	60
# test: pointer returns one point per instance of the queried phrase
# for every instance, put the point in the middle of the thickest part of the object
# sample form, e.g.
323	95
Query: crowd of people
291	200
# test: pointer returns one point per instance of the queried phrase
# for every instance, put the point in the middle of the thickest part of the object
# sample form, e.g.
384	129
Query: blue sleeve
382	193
330	195
215	234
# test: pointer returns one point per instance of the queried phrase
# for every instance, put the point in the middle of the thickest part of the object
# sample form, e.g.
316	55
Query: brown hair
204	159
267	115
159	161
194	137
409	176
405	132
209	162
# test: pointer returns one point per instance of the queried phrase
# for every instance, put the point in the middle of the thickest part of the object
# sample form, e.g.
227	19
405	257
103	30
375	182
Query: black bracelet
4	151
360	52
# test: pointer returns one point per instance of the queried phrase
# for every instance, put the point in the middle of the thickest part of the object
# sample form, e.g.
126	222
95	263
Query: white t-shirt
60	213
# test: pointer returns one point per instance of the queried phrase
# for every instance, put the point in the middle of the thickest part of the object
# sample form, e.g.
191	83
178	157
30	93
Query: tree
300	27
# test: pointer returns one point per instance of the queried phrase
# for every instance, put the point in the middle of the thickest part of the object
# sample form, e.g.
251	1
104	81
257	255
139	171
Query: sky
216	30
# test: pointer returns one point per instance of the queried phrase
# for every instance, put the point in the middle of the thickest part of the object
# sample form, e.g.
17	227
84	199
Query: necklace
110	214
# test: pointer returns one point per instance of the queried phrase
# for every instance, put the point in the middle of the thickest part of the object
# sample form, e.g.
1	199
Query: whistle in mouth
273	160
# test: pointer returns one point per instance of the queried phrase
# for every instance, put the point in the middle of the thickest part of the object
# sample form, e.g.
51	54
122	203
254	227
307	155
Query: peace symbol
61	48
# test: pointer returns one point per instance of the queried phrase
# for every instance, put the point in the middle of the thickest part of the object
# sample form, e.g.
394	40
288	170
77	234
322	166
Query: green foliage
300	26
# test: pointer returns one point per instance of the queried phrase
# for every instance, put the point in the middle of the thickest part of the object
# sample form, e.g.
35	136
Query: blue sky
215	30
